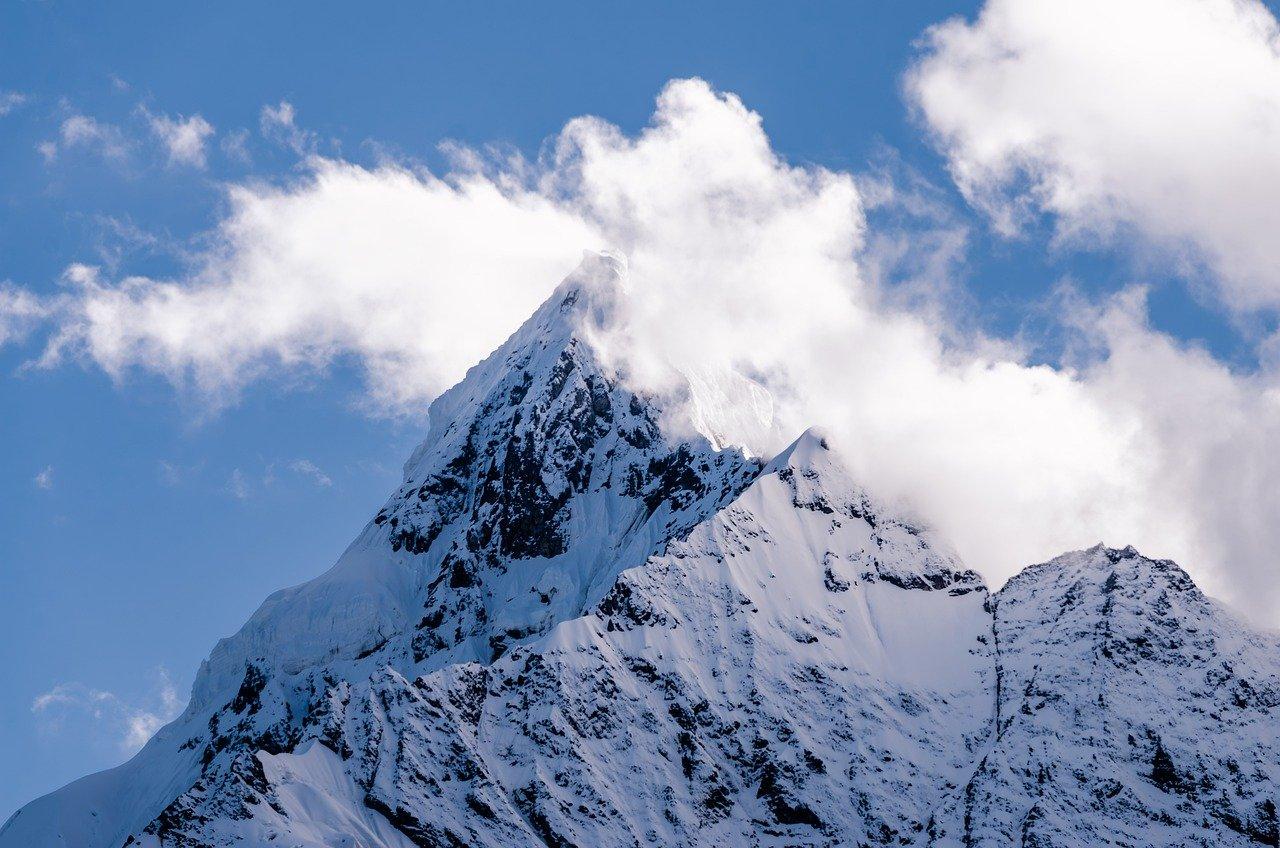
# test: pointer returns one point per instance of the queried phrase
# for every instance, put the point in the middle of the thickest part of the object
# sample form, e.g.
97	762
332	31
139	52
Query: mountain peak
810	448
1104	570
1124	691
572	625
587	301
585	305
542	476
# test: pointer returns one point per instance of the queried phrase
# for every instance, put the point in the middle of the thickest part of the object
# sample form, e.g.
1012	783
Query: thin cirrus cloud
235	146
302	467
171	473
754	277
237	485
11	100
1159	118
278	124
74	708
308	469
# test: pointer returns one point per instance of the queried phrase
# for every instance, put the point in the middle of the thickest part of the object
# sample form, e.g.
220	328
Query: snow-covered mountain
1130	710
578	622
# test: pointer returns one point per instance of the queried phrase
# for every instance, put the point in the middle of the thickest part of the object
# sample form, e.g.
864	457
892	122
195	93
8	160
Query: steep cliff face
577	624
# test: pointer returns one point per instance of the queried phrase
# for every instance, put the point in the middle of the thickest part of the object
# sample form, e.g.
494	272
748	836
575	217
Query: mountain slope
541	479
1132	710
768	679
577	622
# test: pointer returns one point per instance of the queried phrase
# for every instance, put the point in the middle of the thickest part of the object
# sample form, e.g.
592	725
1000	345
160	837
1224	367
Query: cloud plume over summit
749	274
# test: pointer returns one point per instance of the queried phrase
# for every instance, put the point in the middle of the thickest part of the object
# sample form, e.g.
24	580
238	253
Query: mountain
580	621
1130	710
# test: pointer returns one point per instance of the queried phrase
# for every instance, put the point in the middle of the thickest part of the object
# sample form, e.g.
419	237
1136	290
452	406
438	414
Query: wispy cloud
176	474
10	100
120	237
184	138
237	485
235	146
279	125
126	724
170	473
44	480
21	311
85	132
309	469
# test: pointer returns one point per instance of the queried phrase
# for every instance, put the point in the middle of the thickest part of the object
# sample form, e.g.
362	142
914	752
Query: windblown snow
577	623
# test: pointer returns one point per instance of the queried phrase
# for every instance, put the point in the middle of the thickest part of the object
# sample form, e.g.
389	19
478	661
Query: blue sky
141	522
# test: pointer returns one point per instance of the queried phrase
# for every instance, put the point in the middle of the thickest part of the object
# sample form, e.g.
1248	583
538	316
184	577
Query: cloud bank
751	275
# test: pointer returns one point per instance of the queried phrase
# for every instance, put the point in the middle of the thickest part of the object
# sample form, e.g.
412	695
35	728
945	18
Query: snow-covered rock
1131	710
577	624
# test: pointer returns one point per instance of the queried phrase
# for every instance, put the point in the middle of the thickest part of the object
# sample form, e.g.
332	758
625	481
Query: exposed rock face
570	627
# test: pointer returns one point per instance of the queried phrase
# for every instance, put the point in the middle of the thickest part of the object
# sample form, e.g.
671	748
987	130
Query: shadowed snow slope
570	627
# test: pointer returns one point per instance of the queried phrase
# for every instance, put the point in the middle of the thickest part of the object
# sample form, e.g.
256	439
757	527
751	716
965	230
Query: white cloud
91	134
237	485
119	238
278	124
44	480
299	277
184	138
75	707
171	474
309	469
20	312
744	271
235	145
10	100
1159	118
